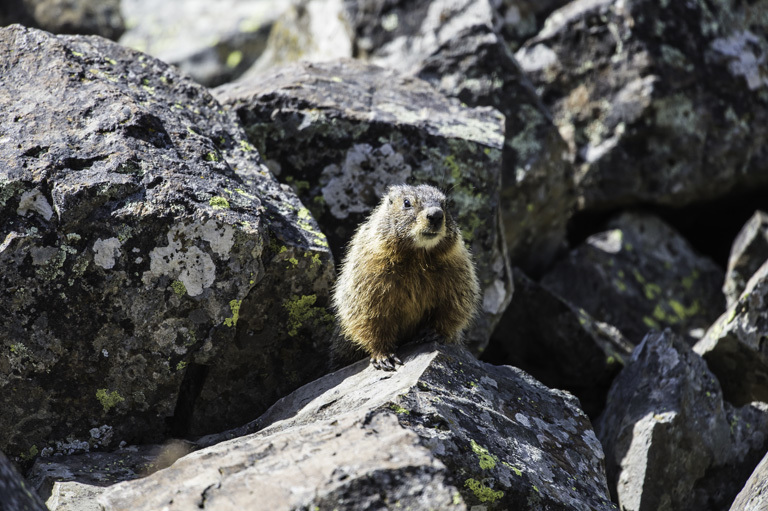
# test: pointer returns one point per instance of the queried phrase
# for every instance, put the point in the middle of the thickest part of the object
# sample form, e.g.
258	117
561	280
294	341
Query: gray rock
660	102
754	495
639	275
214	43
443	432
558	344
519	20
456	47
748	253
156	278
736	346
341	132
15	492
96	17
670	440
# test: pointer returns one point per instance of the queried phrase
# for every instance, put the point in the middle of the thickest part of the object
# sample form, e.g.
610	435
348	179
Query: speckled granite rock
754	495
670	440
97	17
156	278
444	432
660	102
15	493
341	132
736	346
638	275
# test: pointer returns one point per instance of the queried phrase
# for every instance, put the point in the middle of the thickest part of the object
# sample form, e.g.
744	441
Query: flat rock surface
466	433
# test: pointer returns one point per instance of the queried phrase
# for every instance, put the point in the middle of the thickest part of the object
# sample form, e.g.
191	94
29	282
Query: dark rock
78	477
443	432
15	492
670	440
214	43
754	495
454	46
519	20
342	132
736	345
640	275
660	102
88	17
558	344
748	253
156	278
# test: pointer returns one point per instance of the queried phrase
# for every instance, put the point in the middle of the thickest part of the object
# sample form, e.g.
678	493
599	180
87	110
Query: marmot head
418	215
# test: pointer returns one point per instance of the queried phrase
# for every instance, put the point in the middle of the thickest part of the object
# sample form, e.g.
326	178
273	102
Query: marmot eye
406	203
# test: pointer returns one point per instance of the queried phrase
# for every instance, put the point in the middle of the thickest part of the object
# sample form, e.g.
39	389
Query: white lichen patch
106	252
365	168
221	238
183	260
740	52
41	255
35	201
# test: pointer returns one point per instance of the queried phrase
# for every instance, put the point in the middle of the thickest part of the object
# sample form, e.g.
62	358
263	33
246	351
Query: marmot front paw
386	362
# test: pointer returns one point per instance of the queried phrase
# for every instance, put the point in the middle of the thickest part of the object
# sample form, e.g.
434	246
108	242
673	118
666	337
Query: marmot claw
388	362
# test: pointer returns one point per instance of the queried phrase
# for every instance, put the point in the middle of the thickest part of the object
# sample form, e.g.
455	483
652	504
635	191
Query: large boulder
213	42
559	344
736	346
458	48
660	102
341	132
748	252
156	278
640	274
15	491
443	432
670	440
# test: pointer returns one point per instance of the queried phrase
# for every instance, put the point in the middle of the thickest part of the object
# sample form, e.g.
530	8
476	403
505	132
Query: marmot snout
406	270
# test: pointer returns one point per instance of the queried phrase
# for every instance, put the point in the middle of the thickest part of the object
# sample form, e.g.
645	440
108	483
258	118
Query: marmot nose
435	217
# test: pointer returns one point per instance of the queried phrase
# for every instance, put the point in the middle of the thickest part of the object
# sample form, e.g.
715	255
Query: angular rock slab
138	232
670	440
457	47
341	132
639	275
660	102
443	432
15	492
754	495
736	346
748	253
559	344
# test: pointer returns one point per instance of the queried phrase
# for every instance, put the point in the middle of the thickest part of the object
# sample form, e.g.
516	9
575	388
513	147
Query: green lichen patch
301	310
234	306
482	492
178	287
108	400
486	459
218	202
398	409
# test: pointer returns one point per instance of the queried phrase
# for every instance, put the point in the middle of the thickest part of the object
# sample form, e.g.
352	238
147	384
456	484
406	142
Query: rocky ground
170	223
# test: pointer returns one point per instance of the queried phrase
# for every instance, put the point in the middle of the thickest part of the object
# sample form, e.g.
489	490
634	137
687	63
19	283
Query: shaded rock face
138	232
15	492
342	132
445	431
559	344
639	275
96	17
456	46
660	103
670	440
736	346
213	43
748	253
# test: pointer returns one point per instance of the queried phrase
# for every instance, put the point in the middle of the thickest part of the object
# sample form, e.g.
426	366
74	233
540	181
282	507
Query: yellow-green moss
108	400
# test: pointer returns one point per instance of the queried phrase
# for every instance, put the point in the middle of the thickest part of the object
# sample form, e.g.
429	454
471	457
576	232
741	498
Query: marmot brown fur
406	272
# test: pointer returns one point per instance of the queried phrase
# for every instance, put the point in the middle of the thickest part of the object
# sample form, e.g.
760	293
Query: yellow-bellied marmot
406	272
